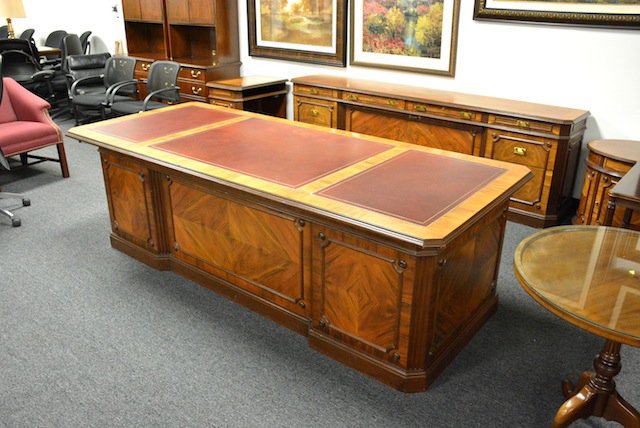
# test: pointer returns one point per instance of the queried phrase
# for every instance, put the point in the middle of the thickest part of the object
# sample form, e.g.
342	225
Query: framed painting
298	30
412	35
608	13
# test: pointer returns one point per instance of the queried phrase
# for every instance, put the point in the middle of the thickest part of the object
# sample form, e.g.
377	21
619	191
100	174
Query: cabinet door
587	197
538	154
191	12
316	112
361	294
130	199
131	9
151	10
438	134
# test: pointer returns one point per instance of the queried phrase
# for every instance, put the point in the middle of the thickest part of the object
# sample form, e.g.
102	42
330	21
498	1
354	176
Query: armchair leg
63	160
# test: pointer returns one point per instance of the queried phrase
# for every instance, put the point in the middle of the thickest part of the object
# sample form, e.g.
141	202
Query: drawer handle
466	115
519	151
145	67
392	102
196	91
421	109
352	97
196	73
522	123
315	113
314	91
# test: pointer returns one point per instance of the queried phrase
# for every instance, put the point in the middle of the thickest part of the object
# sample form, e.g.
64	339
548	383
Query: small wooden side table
625	194
259	94
607	162
589	277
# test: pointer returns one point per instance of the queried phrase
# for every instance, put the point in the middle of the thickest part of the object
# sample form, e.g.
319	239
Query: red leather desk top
273	151
414	186
165	122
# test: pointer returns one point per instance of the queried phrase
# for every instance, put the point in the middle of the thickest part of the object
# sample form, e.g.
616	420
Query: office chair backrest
163	74
54	39
27	34
82	66
119	69
4	32
71	45
19	61
84	39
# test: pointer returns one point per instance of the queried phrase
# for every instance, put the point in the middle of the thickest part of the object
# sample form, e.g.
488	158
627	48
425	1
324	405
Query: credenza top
481	103
419	195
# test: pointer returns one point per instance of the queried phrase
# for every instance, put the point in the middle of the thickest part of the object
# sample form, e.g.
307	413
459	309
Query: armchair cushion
20	137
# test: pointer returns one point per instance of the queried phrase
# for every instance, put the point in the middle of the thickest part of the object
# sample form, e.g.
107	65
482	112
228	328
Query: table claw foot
579	406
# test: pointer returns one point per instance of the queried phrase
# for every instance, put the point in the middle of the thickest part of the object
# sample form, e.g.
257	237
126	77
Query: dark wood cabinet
547	139
202	35
259	94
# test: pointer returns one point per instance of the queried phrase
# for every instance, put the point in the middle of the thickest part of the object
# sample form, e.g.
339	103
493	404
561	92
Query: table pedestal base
596	395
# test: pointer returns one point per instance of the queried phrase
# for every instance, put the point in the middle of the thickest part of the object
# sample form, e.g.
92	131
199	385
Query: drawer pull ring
520	151
421	109
352	97
145	67
314	91
196	73
522	123
315	113
392	102
466	115
196	91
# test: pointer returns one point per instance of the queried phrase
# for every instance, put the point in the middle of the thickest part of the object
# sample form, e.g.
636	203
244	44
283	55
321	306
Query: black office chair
27	34
117	70
4	32
84	39
161	85
20	64
62	81
54	39
15	222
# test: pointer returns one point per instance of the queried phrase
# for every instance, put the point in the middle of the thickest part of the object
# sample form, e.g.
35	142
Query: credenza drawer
312	90
192	74
192	88
316	112
514	148
442	111
373	100
514	122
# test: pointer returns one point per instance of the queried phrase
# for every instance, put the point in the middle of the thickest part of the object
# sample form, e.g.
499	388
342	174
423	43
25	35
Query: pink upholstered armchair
25	126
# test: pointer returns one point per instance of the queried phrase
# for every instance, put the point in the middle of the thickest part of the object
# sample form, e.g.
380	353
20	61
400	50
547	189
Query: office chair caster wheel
15	222
25	203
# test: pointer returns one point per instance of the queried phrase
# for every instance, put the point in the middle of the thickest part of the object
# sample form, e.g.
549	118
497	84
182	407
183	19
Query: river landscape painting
415	35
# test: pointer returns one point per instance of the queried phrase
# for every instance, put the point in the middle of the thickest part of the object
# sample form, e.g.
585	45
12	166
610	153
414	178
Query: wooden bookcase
546	139
201	35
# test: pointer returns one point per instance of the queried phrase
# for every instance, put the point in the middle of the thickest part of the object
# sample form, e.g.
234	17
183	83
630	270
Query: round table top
586	275
622	150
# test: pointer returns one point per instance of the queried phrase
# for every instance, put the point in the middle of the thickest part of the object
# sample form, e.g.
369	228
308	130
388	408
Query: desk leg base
596	395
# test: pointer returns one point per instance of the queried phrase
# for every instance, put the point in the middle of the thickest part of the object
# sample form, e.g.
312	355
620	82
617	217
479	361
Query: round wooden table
590	277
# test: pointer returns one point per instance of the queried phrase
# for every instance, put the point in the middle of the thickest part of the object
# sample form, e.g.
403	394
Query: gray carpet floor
91	338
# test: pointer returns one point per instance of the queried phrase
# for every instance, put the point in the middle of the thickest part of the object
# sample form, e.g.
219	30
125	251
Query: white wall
587	68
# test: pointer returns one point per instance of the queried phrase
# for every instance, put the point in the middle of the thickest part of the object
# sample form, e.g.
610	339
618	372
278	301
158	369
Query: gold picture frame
417	35
613	13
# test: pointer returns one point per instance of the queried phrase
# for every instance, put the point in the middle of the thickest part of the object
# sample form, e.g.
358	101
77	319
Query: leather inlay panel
147	127
277	152
414	186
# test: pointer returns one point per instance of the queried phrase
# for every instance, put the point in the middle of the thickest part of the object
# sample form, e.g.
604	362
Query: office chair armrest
85	80
43	75
118	86
156	92
26	105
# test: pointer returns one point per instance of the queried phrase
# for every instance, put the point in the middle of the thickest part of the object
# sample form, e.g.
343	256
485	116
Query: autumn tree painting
403	27
304	22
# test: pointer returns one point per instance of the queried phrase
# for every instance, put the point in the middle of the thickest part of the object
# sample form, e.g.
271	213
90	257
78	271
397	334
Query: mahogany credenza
546	139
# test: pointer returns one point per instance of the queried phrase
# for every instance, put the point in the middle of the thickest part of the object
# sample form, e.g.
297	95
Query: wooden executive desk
365	245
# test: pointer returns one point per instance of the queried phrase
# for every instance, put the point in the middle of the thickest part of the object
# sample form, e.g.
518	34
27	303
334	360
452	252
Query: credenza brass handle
145	66
315	113
314	91
519	151
421	109
392	102
352	97
466	115
522	123
196	73
196	91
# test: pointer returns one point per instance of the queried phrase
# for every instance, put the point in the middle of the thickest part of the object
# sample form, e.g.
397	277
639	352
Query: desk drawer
521	149
531	125
312	90
192	88
373	100
316	112
191	73
227	104
442	111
